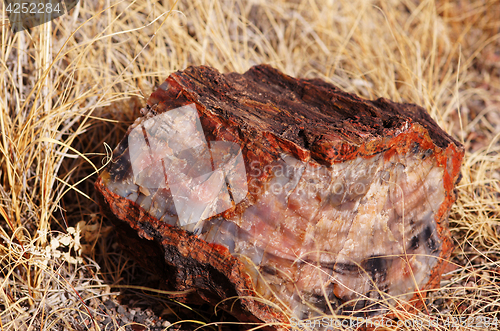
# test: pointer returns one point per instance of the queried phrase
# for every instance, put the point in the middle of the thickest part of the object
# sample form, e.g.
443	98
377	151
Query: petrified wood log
289	194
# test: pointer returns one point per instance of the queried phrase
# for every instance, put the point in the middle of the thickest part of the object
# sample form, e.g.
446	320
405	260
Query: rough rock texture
290	194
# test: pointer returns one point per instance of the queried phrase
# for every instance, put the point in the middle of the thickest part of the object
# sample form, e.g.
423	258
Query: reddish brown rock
289	194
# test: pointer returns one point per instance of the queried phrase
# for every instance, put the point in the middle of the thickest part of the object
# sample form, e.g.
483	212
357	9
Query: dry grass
68	90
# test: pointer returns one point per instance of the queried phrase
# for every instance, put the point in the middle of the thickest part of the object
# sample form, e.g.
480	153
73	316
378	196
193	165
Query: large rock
289	194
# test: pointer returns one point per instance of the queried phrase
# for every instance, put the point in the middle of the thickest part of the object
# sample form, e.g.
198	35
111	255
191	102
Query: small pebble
121	310
110	304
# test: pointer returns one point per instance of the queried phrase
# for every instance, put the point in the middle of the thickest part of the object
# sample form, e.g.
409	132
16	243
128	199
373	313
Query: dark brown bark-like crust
200	271
268	113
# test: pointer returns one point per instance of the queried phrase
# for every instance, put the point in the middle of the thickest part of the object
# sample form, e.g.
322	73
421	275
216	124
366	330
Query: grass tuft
70	88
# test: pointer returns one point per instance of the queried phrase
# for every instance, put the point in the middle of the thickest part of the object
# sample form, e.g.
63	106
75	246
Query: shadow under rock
133	299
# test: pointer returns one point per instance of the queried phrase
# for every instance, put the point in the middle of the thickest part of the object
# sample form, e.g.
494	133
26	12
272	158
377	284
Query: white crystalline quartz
363	228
